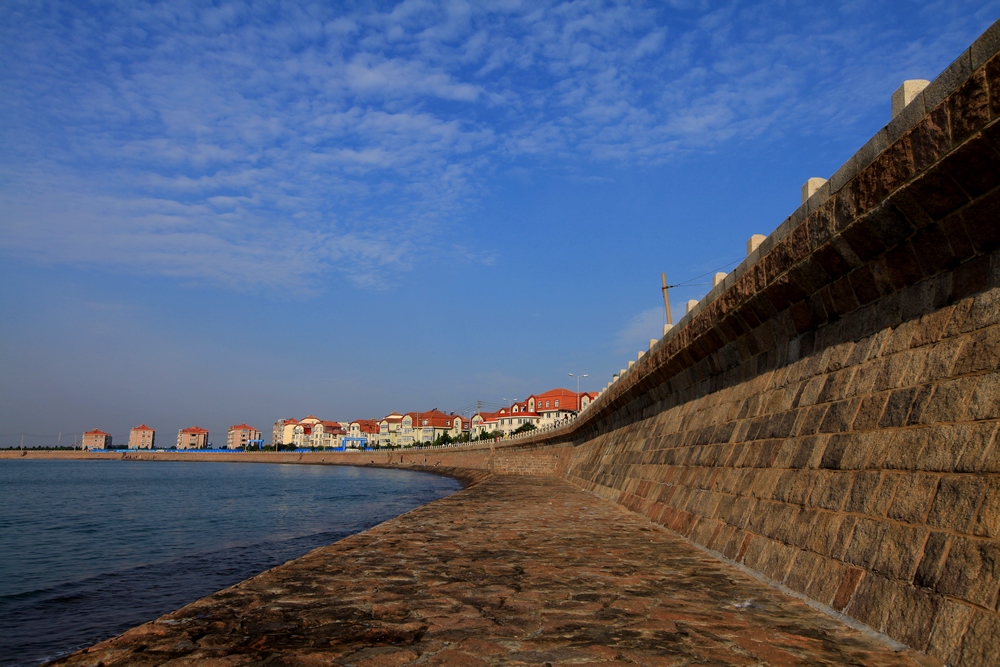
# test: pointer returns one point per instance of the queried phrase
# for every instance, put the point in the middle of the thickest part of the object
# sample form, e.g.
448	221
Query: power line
689	283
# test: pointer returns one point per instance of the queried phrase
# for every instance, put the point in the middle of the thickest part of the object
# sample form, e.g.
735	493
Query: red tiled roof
367	425
193	429
242	427
567	399
96	432
333	428
394	417
286	422
142	427
434	418
311	417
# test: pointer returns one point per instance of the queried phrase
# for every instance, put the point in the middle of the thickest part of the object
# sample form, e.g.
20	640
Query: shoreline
416	460
517	570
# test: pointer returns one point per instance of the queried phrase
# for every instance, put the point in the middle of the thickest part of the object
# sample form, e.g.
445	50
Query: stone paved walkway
512	571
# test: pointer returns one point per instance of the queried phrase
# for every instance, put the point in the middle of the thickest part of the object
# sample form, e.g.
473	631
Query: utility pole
666	299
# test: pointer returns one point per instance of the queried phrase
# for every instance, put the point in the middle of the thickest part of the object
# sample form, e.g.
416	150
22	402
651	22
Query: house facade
426	427
240	435
282	432
557	405
96	439
327	435
141	437
389	430
193	437
366	429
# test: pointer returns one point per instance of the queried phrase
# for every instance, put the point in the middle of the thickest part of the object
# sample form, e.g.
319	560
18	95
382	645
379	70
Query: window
548	403
557	402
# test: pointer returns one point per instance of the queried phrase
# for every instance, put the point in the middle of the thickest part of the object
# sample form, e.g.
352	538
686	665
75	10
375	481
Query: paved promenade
511	571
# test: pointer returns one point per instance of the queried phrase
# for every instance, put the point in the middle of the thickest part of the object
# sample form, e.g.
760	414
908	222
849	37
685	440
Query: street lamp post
578	376
510	413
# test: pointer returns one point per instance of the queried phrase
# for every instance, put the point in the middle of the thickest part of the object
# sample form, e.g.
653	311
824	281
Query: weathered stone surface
512	571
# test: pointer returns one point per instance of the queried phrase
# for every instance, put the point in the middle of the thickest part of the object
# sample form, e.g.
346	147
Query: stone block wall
828	417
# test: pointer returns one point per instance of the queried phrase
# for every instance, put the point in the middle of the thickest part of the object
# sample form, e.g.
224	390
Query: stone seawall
828	417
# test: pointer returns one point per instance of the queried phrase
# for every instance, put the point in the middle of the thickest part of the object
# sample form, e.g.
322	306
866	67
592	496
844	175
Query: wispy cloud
270	147
639	330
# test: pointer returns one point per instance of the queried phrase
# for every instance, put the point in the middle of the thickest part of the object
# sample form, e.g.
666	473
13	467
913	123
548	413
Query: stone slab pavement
510	571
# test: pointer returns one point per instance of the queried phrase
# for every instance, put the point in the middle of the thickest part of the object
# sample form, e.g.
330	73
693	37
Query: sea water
89	549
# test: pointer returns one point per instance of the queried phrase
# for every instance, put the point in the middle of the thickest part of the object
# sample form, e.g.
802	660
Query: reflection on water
89	549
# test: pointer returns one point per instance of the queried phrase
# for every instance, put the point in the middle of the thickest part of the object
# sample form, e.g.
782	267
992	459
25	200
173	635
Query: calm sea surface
89	549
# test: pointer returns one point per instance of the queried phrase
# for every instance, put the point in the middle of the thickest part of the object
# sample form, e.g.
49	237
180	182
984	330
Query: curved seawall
827	417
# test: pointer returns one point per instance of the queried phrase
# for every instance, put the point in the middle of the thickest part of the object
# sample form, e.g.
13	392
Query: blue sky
246	211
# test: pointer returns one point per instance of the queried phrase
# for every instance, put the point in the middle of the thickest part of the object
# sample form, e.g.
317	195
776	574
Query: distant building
558	404
239	435
327	434
141	437
519	414
366	429
302	433
283	431
389	429
485	422
431	425
96	440
193	437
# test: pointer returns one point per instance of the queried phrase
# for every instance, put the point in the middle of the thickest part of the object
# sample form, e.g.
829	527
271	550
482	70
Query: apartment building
141	437
389	428
240	435
519	414
193	437
283	430
96	439
327	434
484	422
431	425
363	432
302	432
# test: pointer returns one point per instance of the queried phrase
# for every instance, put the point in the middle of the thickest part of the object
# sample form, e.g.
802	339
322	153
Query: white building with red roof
365	429
558	404
515	417
327	434
433	424
484	422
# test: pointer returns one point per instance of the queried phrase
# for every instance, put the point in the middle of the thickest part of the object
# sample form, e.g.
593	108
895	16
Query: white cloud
304	139
638	331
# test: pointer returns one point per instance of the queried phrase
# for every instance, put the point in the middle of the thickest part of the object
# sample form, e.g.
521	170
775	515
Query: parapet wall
828	416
